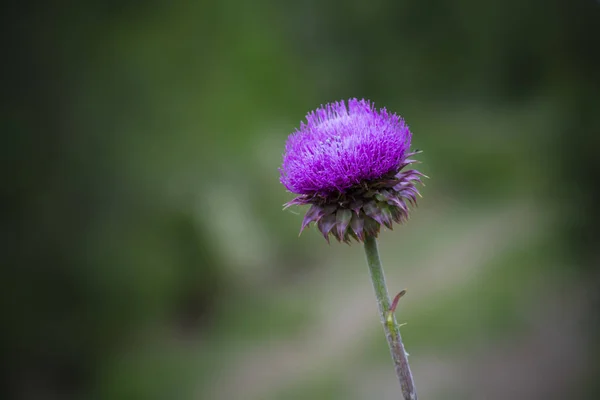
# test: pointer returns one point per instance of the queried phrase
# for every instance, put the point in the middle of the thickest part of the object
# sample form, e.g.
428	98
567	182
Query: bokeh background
146	253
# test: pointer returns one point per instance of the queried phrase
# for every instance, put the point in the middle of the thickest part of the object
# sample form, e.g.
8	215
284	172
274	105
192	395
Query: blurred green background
146	254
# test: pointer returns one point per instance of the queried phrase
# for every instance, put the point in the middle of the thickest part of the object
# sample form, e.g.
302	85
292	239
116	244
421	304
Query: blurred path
345	322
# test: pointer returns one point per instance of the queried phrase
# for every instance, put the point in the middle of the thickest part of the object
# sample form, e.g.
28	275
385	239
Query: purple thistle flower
347	163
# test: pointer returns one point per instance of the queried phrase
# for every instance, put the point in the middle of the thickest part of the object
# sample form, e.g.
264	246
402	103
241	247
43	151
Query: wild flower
348	163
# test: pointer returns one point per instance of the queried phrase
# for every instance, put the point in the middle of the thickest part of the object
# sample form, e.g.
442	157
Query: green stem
390	326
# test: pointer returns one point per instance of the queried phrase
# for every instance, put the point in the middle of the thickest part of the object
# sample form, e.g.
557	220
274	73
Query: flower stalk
348	162
388	319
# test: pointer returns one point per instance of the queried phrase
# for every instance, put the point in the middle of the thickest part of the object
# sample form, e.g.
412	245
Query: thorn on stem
395	302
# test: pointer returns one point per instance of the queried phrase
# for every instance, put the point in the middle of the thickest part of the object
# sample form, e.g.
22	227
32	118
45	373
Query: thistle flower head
347	162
